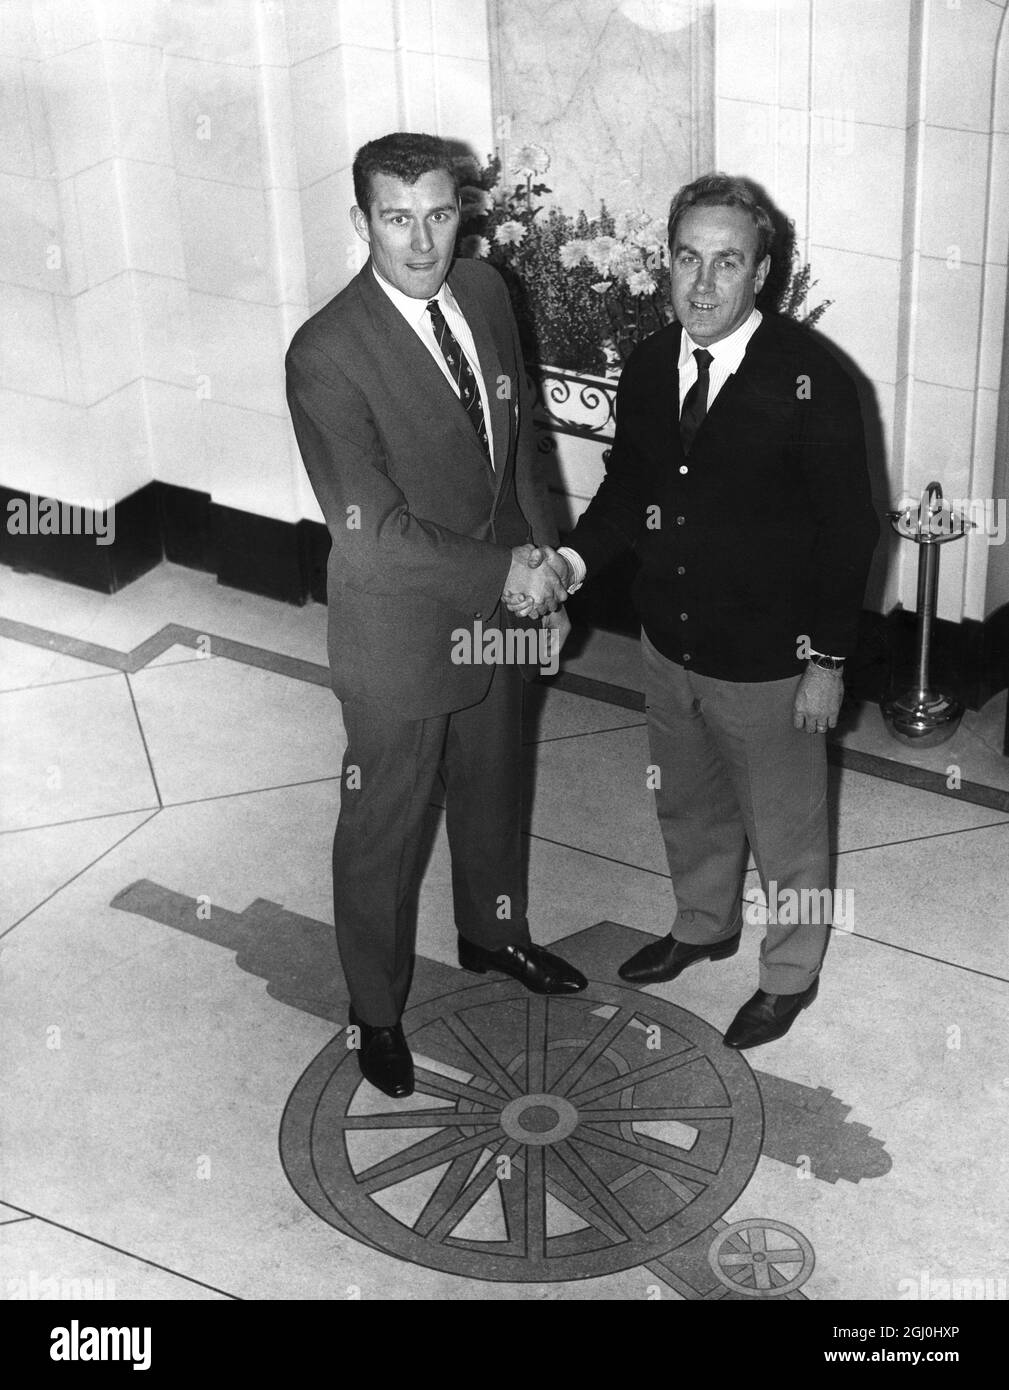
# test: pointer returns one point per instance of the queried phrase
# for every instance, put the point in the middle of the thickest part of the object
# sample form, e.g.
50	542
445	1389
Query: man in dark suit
409	402
738	473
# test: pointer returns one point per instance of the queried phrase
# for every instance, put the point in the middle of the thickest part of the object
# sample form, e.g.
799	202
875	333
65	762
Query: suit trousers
390	772
734	771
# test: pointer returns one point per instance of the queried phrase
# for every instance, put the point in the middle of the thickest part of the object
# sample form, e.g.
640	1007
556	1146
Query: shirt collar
413	310
728	352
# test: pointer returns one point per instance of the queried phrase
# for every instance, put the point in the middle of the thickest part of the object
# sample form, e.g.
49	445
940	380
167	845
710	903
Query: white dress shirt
416	314
727	354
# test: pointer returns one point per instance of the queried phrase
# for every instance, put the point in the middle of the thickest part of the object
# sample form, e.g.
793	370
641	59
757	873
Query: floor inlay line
915	839
129	1254
76	820
178	634
98	857
143	740
922	955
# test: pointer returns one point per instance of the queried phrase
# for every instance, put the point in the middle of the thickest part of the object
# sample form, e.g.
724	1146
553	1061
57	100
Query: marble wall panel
606	87
107	337
175	430
238	349
958	68
997	240
954	172
860	58
30	356
100	230
226	239
947	323
213	112
17	155
246	458
138	101
31	233
151	218
38	437
77	108
993	317
164	330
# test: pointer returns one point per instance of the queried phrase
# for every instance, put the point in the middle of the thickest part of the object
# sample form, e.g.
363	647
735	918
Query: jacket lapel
672	396
420	367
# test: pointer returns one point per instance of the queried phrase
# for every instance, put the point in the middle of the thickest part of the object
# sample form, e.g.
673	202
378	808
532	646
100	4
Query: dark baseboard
278	559
258	554
98	550
315	547
187	526
287	560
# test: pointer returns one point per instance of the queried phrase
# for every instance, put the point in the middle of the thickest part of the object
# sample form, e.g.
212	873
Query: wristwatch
827	663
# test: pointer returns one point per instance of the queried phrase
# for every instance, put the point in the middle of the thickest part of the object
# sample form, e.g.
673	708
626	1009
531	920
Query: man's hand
561	624
818	700
537	581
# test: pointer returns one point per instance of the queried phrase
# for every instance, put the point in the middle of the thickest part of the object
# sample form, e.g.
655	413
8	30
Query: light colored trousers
734	771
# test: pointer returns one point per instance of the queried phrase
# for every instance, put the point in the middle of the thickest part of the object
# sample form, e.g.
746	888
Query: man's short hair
721	190
402	155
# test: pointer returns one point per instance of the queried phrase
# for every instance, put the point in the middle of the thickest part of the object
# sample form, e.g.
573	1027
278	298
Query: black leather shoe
537	969
663	960
766	1017
384	1058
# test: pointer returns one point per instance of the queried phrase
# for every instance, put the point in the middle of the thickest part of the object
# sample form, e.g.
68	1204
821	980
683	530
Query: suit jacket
422	526
763	535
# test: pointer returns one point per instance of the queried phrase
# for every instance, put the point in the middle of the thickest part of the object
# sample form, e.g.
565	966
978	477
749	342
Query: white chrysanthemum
572	253
641	283
599	250
624	261
651	239
530	160
509	233
630	225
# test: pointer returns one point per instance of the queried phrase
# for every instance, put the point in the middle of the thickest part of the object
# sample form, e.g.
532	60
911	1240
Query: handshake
537	581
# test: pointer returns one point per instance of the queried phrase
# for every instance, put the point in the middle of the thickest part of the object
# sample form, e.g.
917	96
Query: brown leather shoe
765	1017
663	960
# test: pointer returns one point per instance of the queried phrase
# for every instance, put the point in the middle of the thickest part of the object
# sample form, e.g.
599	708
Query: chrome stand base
922	718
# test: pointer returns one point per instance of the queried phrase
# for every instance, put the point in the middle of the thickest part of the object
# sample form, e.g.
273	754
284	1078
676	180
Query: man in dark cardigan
738	474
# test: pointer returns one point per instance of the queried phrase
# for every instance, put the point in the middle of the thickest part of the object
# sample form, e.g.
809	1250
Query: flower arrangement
585	291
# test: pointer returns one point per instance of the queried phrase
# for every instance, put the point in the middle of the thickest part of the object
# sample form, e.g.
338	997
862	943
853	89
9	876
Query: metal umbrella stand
924	716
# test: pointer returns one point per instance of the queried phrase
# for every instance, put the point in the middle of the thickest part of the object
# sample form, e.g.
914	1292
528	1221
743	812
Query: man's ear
359	221
761	275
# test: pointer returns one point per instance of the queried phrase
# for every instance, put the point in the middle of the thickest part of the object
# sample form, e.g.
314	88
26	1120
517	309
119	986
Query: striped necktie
462	372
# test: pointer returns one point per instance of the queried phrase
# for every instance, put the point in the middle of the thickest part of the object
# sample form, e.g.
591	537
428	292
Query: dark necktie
462	372
695	406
